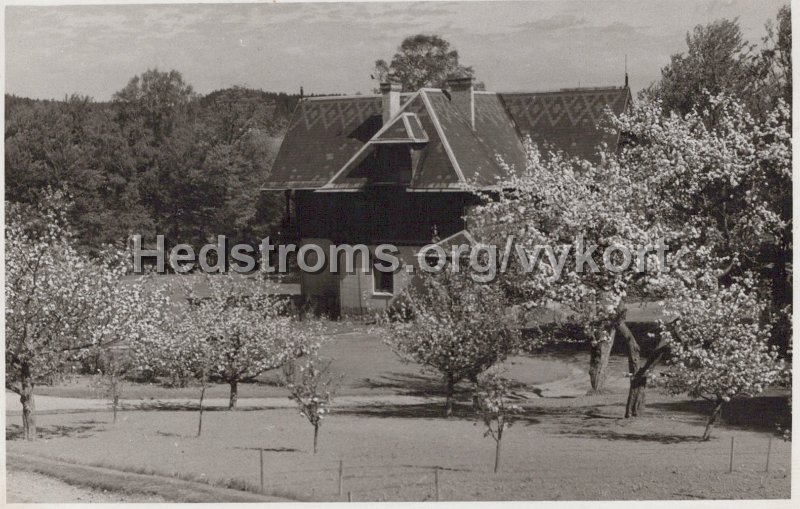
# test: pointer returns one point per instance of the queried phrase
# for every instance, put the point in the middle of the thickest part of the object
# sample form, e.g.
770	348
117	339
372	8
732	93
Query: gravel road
27	487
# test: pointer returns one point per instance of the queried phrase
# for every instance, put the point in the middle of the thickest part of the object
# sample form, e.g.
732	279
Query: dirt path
28	487
45	404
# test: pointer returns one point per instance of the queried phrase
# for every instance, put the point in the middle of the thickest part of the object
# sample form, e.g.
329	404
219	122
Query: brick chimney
462	95
391	100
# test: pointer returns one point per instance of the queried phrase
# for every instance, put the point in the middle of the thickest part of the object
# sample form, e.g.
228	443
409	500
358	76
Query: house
395	168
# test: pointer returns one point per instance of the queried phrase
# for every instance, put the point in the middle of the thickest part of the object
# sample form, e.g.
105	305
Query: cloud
330	47
554	23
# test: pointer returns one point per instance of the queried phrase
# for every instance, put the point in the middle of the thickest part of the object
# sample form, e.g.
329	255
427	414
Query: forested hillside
157	159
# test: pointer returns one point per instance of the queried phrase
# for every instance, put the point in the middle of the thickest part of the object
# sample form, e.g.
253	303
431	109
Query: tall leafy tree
421	61
776	56
154	160
718	59
76	146
158	99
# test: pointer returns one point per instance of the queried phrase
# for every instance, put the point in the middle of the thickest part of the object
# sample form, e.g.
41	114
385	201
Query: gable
405	128
431	161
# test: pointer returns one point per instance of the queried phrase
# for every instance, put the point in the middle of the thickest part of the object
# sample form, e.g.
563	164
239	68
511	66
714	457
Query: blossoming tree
59	302
726	184
712	195
452	325
580	211
719	348
177	353
242	330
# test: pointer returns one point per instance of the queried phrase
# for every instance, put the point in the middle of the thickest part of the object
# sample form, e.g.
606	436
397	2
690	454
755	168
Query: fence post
769	450
261	459
436	481
730	468
340	478
349	497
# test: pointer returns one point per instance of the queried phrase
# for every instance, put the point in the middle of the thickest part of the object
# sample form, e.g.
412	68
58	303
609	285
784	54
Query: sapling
109	380
312	388
493	404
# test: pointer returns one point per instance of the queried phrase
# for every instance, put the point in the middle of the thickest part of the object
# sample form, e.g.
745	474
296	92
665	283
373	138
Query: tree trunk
449	388
712	419
598	362
114	405
637	396
234	395
200	421
637	393
316	434
497	455
28	409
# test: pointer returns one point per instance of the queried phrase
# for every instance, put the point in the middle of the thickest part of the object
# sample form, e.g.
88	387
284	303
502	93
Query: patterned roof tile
324	134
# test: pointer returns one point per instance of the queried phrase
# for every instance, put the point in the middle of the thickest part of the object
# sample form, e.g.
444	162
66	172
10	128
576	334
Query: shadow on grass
410	384
761	413
15	431
662	438
461	411
268	449
421	411
423	385
190	407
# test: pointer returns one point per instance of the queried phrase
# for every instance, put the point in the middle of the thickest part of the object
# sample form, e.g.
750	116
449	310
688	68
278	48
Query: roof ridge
563	90
342	97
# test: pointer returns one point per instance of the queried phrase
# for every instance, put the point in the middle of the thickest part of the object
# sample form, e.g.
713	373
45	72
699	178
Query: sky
331	47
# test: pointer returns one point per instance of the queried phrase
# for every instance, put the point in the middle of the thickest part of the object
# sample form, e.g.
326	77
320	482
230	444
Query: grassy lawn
568	446
563	449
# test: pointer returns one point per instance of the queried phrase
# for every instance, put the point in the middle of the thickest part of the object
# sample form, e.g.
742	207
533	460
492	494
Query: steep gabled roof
479	151
566	119
323	134
329	137
436	168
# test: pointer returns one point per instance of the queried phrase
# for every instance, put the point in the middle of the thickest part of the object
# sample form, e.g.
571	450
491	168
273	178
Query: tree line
156	159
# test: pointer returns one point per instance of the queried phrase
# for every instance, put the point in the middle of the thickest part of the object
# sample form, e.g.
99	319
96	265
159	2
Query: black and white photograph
535	252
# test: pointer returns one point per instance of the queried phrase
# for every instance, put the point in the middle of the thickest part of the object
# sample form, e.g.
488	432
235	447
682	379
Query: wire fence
354	481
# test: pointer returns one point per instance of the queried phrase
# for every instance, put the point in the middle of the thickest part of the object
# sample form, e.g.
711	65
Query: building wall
385	215
352	292
320	290
357	293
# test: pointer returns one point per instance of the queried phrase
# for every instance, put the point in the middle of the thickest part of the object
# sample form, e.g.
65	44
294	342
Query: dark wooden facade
380	215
